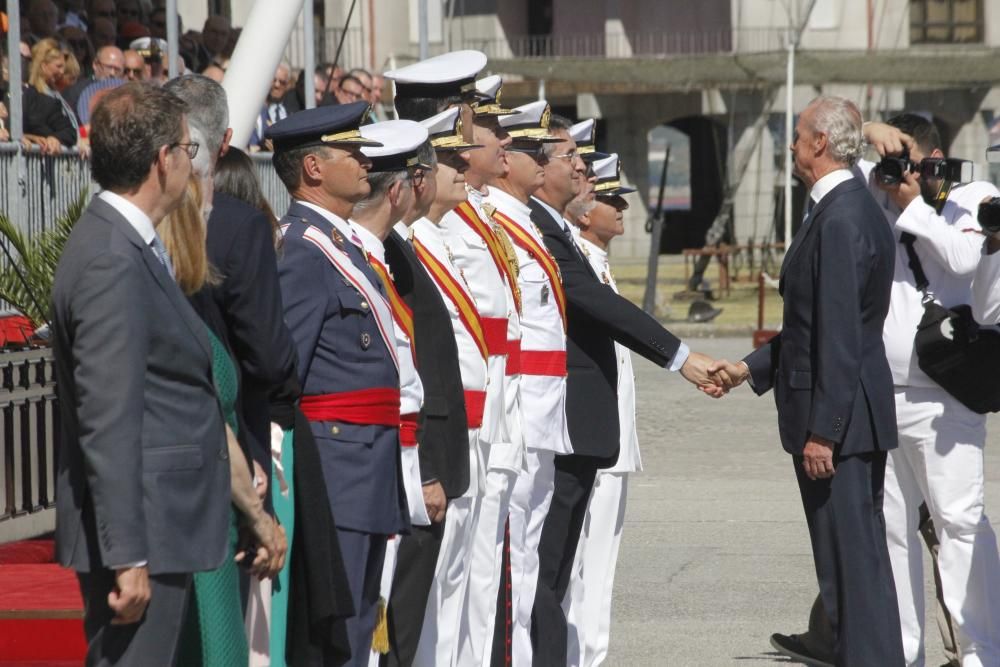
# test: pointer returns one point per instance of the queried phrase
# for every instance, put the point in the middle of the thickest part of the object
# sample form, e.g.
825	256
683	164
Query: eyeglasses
134	71
114	69
565	156
417	175
191	147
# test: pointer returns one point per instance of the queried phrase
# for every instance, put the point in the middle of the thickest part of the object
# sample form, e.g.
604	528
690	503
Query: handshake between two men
717	377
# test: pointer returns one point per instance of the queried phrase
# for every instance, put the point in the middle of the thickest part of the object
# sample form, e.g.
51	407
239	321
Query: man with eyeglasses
109	63
135	66
143	489
274	107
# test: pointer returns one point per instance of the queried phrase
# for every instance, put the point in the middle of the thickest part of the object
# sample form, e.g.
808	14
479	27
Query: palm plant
26	279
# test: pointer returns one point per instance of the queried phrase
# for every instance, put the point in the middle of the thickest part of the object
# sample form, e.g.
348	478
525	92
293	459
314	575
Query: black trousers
574	480
411	583
153	641
847	530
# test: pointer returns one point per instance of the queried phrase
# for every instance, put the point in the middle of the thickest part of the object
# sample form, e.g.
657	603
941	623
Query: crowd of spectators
74	51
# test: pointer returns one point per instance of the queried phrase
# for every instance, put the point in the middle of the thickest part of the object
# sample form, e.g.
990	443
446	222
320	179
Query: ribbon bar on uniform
495	329
365	406
552	363
475	403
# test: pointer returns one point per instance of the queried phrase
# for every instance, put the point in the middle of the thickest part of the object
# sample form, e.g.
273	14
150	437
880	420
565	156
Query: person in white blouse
598	219
986	283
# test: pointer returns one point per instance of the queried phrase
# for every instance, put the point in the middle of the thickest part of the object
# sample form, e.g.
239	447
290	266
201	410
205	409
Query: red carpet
41	612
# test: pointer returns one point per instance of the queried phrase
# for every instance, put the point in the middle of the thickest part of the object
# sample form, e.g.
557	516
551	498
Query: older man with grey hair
832	383
241	246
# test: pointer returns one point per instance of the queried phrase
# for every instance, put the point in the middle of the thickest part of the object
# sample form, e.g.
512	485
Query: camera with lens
891	169
989	215
952	170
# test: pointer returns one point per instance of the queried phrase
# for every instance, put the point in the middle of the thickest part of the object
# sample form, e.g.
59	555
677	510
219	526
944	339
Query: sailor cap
446	75
400	142
445	131
322	126
609	182
489	89
530	123
583	133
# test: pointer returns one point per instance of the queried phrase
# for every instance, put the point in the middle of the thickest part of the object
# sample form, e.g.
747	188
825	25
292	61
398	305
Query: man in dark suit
142	490
832	383
240	246
597	317
443	428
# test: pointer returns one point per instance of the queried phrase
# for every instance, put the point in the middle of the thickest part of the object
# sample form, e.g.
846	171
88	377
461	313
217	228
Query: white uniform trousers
940	461
443	615
485	570
529	506
588	598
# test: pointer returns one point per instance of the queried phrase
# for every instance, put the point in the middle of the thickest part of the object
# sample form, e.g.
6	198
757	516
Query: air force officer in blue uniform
335	309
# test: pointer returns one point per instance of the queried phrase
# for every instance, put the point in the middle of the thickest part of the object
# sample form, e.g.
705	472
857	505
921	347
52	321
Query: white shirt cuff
683	351
127	566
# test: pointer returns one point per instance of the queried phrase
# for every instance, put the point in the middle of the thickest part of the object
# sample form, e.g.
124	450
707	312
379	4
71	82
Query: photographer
939	461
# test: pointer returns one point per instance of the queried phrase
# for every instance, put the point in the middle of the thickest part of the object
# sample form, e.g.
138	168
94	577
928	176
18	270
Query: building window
946	21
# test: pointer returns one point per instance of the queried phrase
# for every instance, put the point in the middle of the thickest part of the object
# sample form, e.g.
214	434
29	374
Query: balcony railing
627	45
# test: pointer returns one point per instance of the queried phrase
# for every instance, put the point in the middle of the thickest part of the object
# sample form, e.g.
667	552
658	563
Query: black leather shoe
792	647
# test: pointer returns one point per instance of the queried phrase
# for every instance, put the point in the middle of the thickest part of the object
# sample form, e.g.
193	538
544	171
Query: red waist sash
366	406
513	357
475	403
551	363
408	430
495	329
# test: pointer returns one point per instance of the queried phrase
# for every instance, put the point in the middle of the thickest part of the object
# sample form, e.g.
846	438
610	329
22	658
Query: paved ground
715	555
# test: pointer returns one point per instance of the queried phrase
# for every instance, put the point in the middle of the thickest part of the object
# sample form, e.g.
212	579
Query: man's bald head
109	63
135	66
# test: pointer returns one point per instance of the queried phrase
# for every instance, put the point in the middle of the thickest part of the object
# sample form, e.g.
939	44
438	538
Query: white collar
823	186
554	213
342	225
132	213
507	203
402	229
371	243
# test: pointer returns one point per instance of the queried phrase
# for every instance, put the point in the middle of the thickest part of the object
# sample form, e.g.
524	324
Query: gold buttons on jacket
335	430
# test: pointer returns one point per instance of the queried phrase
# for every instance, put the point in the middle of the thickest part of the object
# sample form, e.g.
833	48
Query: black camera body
952	170
989	215
891	168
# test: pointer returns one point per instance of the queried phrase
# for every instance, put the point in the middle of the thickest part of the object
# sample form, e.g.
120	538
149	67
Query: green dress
214	634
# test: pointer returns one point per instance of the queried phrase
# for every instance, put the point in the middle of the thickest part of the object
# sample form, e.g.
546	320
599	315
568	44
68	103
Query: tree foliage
28	267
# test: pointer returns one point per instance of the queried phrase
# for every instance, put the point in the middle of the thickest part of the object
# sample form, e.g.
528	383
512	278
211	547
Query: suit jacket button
335	430
366	340
364	305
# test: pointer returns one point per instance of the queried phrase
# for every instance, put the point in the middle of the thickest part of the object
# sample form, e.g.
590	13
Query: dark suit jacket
443	429
241	247
828	366
597	317
143	470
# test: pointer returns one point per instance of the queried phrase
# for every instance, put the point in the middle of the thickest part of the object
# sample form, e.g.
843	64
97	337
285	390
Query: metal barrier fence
29	428
42	187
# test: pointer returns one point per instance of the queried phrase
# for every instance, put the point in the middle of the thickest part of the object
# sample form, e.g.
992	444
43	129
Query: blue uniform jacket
340	349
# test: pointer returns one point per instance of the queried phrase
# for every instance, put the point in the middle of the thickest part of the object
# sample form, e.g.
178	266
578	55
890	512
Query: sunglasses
134	71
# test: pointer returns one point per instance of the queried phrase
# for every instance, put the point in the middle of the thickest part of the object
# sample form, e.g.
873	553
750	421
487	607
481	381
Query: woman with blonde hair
48	120
214	632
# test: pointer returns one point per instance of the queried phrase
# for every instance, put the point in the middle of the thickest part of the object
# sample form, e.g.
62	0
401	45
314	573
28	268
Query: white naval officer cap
445	131
401	140
489	89
583	133
609	182
446	75
530	123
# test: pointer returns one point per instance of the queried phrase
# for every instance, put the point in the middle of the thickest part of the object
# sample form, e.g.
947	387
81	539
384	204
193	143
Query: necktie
161	254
